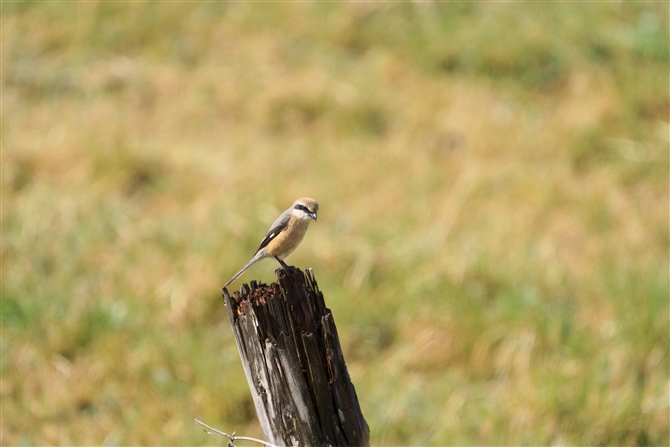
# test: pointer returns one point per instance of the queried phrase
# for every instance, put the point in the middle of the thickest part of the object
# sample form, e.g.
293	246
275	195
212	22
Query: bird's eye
302	208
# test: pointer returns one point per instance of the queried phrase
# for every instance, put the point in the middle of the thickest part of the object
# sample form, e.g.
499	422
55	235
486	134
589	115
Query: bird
284	235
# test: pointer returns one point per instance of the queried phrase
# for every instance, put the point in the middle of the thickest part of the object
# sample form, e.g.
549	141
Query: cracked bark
293	362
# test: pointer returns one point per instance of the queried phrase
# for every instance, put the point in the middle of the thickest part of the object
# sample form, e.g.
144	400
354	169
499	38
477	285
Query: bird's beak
312	215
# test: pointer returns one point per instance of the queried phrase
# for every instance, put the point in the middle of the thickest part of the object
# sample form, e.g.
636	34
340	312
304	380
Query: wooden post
294	365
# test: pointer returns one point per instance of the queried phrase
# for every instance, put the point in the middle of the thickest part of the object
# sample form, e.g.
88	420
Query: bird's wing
278	226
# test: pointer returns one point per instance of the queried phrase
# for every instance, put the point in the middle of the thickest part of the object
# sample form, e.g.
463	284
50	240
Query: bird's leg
283	264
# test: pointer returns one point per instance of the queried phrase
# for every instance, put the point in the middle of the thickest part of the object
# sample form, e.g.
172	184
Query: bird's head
305	208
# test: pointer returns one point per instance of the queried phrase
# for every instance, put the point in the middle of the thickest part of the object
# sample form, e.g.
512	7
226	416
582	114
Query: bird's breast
284	244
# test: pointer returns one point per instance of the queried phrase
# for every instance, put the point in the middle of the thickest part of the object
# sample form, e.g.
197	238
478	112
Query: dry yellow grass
493	238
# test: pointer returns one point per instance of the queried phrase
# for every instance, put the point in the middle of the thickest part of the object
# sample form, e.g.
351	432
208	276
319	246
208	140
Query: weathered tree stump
294	365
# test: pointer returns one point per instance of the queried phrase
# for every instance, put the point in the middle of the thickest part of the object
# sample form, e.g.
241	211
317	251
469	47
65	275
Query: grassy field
493	234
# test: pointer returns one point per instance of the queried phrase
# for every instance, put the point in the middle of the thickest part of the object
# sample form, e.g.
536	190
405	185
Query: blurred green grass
493	239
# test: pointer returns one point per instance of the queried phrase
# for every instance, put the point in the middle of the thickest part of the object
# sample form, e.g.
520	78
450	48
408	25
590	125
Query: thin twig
232	437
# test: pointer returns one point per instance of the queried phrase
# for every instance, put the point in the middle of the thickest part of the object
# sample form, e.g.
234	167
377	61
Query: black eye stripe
303	208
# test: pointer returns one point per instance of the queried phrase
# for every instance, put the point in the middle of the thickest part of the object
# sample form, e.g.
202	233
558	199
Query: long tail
257	257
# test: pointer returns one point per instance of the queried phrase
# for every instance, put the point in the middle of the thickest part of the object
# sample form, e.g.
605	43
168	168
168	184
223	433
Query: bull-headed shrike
285	234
